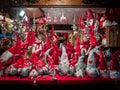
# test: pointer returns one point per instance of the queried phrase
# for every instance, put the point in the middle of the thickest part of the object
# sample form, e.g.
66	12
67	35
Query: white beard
72	70
79	72
10	70
45	70
24	72
64	68
104	73
33	73
114	74
6	56
92	72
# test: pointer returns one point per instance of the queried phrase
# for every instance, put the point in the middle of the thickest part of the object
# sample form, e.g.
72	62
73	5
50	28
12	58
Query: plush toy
114	66
91	69
64	62
63	18
73	61
80	67
103	65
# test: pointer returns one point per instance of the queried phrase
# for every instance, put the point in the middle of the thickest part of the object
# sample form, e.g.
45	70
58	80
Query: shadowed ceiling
69	13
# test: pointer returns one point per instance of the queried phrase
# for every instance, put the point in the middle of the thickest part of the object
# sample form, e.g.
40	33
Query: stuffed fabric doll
80	67
64	62
91	69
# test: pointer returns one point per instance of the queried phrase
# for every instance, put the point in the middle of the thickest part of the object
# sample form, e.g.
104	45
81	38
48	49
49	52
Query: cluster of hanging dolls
38	58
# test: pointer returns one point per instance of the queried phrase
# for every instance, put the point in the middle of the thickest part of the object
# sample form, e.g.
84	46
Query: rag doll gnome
64	62
9	55
114	66
91	69
103	65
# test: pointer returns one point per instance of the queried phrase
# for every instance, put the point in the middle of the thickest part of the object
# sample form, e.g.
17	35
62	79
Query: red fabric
18	46
114	65
89	14
47	43
12	49
32	38
77	49
34	58
28	37
55	54
102	64
70	49
96	59
81	24
60	80
53	32
0	66
93	41
74	60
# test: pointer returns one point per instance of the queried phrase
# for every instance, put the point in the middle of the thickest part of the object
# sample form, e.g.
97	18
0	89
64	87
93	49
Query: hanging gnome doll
63	18
64	62
114	66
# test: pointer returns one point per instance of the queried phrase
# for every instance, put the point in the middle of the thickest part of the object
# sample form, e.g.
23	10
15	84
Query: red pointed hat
73	61
77	49
114	64
89	14
102	64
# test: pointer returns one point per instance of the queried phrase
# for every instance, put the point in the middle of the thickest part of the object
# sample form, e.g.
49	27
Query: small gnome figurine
80	67
73	62
11	70
91	69
63	18
114	66
25	68
33	73
64	62
103	65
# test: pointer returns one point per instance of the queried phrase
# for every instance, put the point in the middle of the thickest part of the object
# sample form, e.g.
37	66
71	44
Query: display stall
59	45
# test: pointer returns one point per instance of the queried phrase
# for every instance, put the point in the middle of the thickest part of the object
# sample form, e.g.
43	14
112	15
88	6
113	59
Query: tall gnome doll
9	55
64	62
91	69
114	66
103	65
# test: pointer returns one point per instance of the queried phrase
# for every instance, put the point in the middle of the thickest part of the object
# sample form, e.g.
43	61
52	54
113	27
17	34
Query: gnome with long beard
91	69
80	67
64	62
9	55
114	66
103	65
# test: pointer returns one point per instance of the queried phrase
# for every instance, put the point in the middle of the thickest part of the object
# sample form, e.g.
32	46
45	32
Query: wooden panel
113	36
